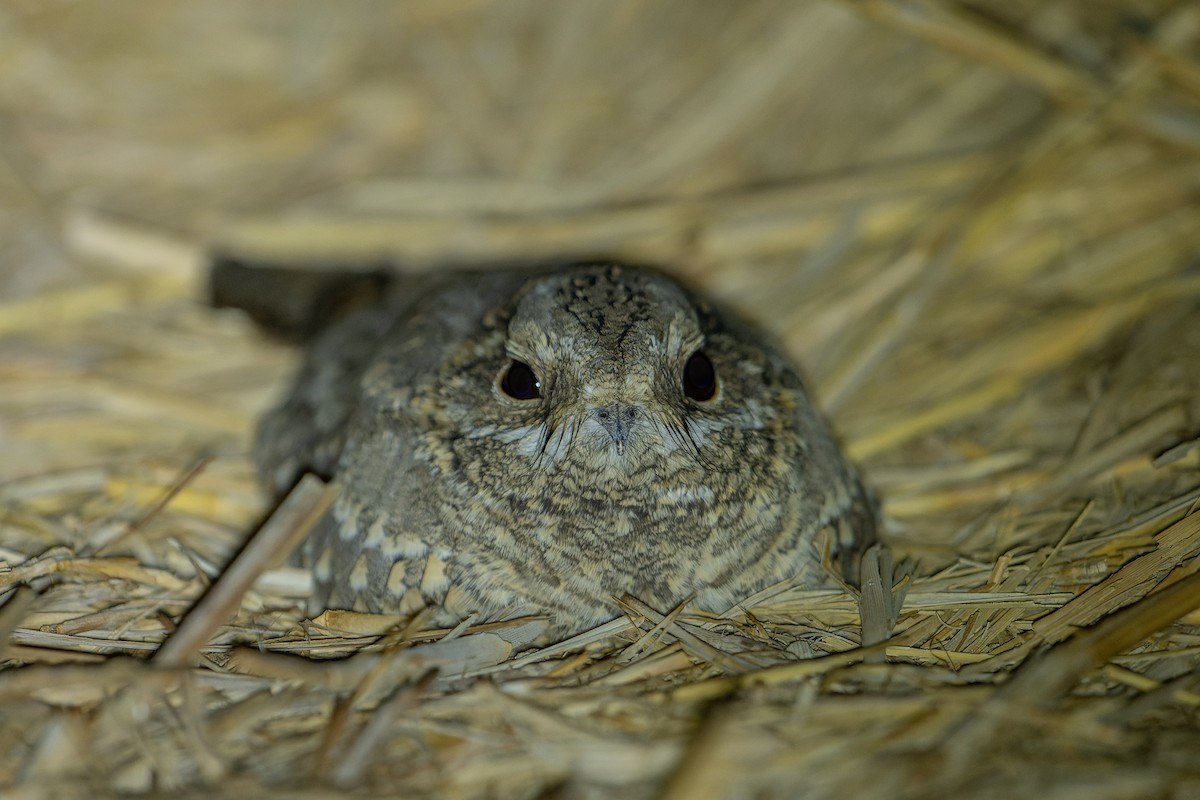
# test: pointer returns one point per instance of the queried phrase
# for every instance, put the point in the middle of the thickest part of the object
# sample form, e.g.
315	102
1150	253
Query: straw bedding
974	223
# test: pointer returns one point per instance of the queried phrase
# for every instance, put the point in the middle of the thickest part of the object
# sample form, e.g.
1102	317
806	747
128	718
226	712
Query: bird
541	440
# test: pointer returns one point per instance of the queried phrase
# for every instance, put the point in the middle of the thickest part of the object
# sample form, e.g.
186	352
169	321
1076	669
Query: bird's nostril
618	414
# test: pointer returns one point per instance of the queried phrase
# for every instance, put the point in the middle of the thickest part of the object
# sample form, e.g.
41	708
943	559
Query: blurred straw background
975	223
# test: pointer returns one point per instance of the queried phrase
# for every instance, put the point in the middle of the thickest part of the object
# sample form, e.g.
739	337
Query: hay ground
974	223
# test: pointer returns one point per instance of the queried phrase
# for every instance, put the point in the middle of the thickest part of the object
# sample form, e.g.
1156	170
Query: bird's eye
520	382
699	377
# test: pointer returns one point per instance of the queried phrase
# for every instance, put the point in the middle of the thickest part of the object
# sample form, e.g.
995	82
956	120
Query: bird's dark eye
699	377
520	382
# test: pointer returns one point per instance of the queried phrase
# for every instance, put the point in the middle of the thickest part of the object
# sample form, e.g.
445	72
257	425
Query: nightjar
542	440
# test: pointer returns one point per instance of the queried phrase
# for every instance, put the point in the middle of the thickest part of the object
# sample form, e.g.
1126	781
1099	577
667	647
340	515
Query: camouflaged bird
516	442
